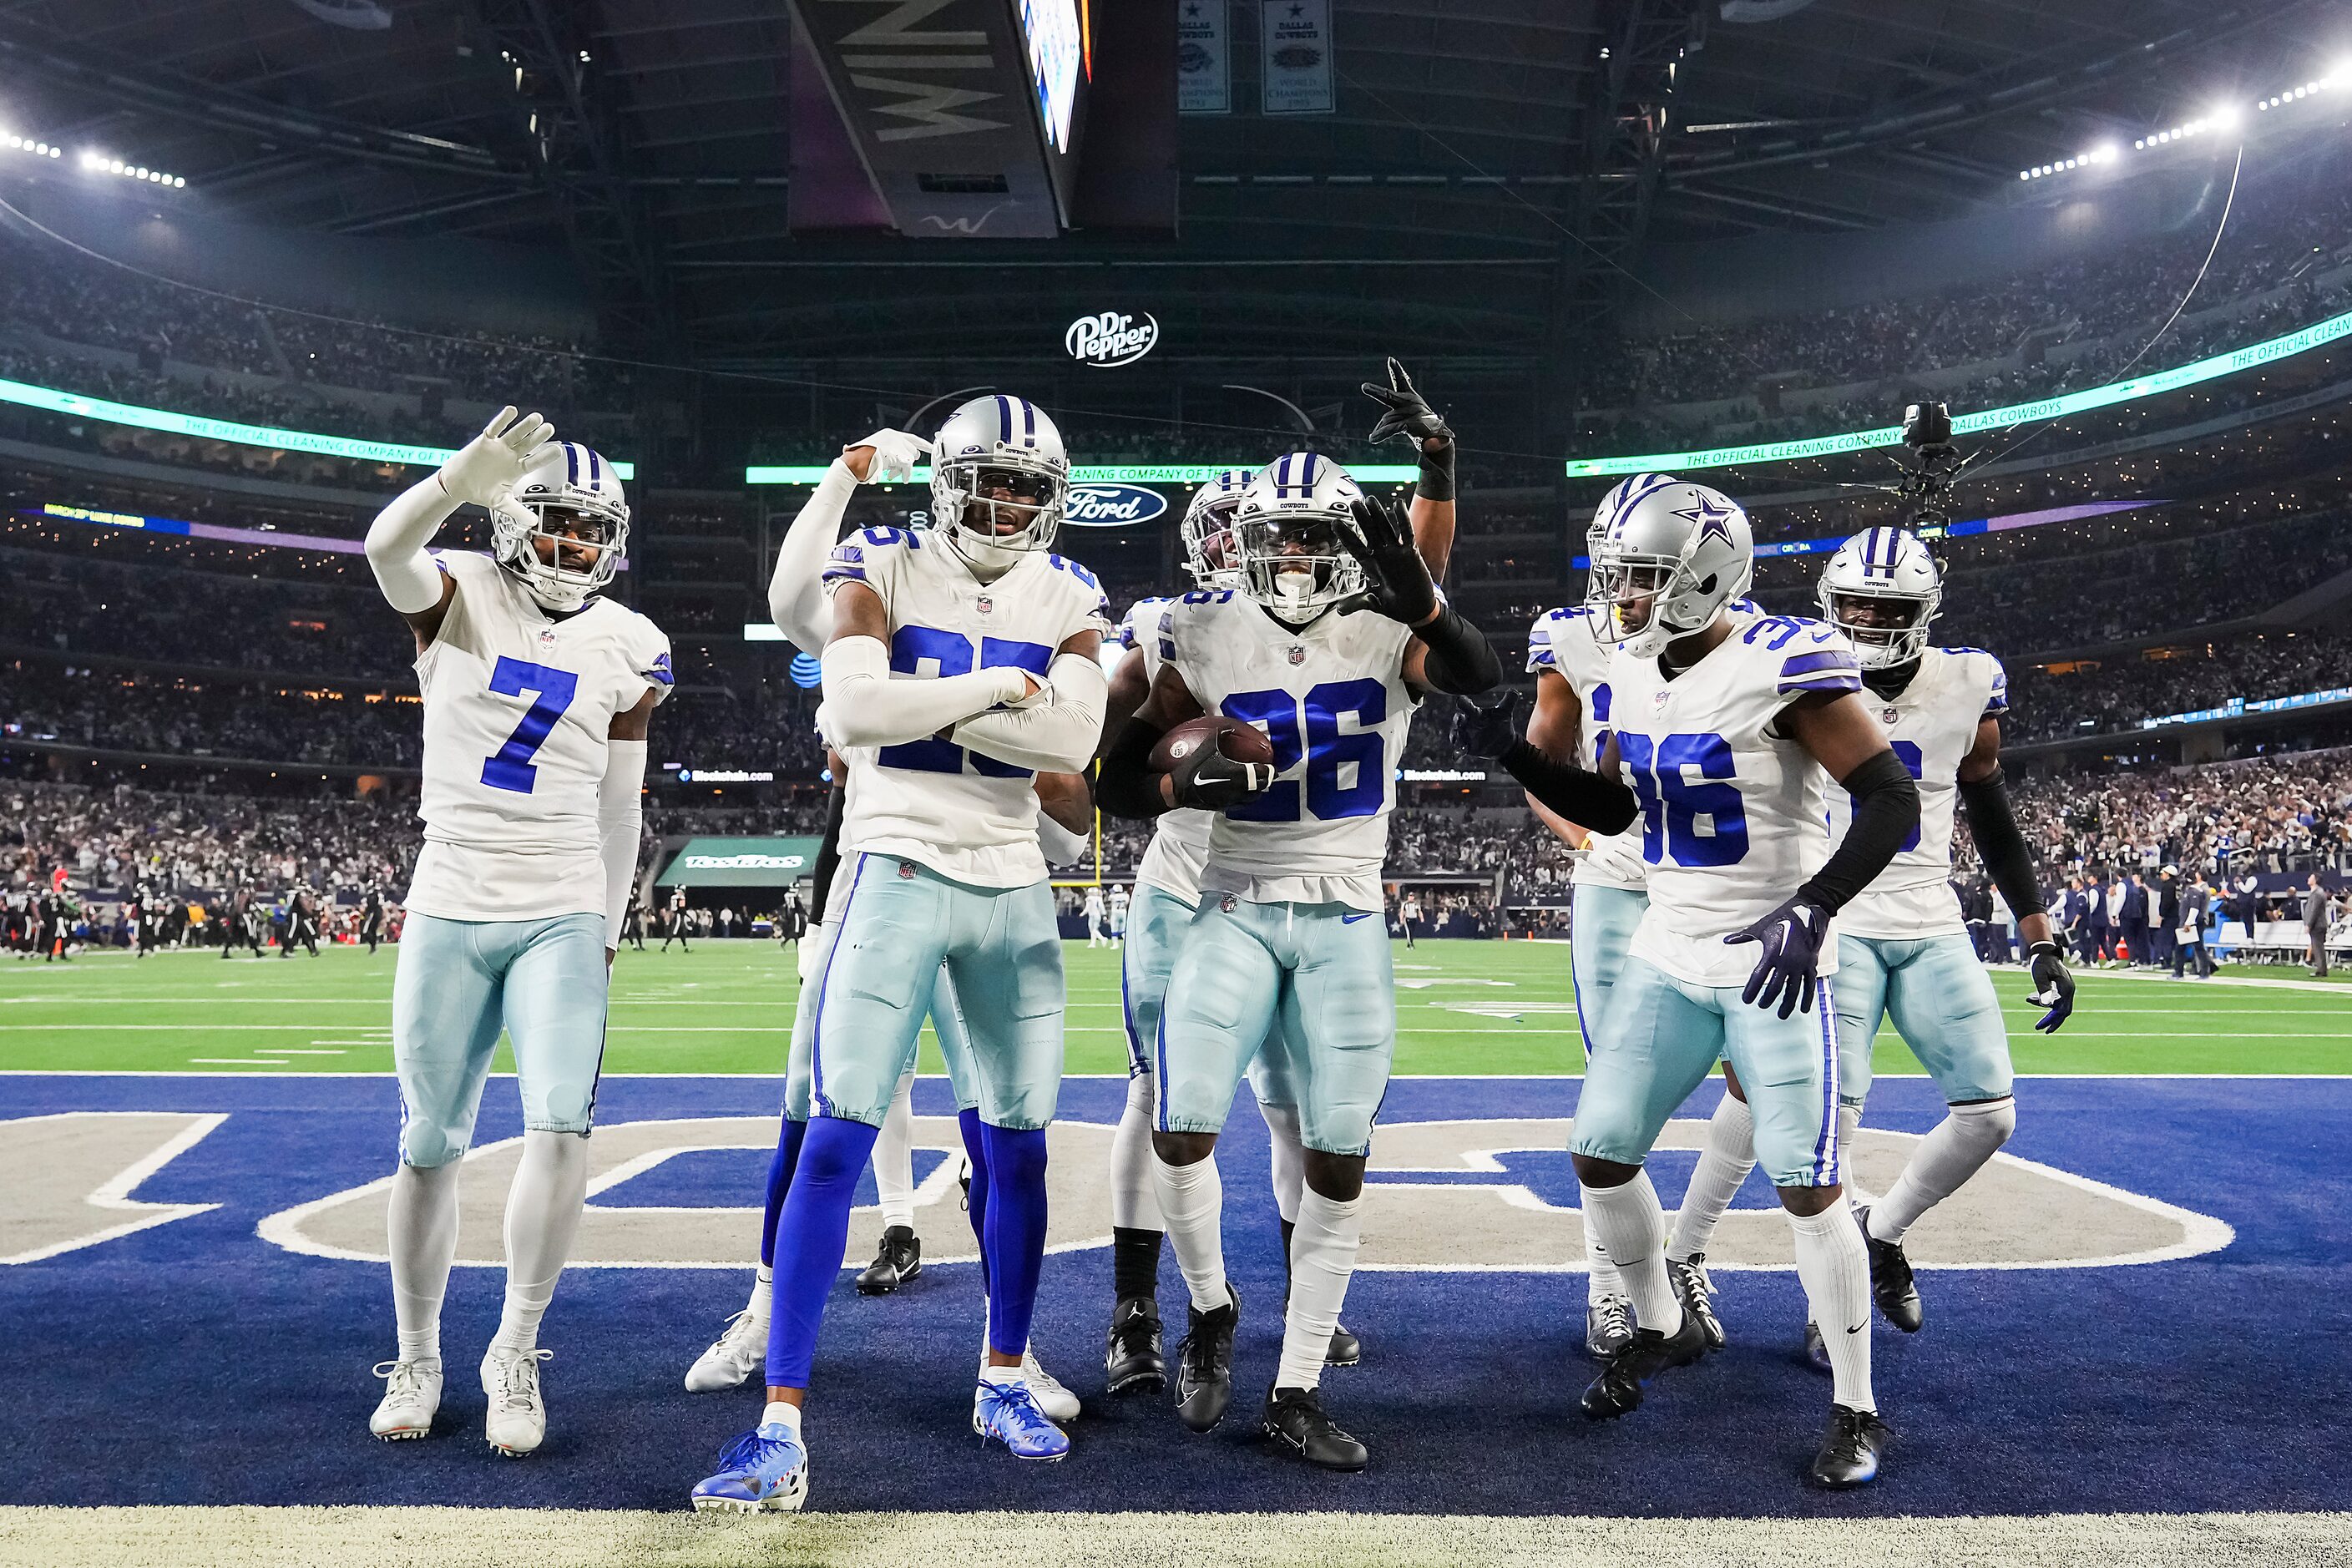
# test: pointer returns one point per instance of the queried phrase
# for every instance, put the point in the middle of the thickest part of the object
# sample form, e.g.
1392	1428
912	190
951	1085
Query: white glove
895	453
485	469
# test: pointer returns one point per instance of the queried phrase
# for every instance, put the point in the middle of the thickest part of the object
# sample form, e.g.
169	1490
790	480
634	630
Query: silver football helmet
993	444
1287	532
1209	550
1666	559
1881	589
570	497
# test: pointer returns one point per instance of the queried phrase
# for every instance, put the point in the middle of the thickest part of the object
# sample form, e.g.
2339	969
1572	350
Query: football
1248	744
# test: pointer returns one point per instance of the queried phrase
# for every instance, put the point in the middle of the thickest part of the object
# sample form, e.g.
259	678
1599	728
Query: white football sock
1723	1164
1945	1158
1134	1204
1849	1124
1192	1205
1834	1269
763	1293
1632	1227
779	1413
1600	1274
421	1227
1323	1243
1289	1159
543	1217
894	1155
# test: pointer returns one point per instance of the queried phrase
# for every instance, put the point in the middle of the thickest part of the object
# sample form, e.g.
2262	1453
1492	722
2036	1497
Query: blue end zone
195	1363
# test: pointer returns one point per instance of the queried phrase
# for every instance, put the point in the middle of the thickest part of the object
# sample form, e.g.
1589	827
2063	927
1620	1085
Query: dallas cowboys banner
1296	76
1203	57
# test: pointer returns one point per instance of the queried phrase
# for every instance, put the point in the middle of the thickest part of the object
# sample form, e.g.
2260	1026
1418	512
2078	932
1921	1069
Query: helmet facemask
994	509
1294	565
1211	553
1887	630
564	551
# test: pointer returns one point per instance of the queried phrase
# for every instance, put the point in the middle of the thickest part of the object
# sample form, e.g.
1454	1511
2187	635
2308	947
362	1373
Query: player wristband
1436	480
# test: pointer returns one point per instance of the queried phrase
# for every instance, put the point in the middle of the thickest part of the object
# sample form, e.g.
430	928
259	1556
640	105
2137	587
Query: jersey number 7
510	766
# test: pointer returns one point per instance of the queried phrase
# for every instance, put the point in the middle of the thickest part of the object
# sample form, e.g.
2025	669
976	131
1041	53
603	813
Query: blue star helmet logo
1714	521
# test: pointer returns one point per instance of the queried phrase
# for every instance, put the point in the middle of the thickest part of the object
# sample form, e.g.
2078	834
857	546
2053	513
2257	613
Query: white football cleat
733	1356
1058	1403
412	1394
518	1417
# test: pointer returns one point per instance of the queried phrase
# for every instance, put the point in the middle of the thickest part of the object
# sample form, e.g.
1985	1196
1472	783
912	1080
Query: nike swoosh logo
1859	1327
1351	919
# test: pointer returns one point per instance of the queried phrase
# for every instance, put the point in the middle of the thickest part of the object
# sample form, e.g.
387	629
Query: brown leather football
1242	742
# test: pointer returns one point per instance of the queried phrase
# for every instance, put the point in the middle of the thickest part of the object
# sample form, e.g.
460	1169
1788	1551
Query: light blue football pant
1321	973
1942	1002
1600	922
456	983
1156	925
900	923
1658	1041
946	1018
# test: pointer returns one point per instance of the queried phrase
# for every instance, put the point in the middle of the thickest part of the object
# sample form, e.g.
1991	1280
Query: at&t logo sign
1111	338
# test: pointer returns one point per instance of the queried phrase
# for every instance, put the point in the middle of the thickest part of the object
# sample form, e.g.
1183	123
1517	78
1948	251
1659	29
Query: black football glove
1488	732
1785	972
1396	580
1407	412
2053	985
1207	780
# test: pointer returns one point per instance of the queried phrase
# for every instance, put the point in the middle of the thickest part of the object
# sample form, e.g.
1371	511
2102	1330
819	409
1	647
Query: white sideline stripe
286	1537
116	1193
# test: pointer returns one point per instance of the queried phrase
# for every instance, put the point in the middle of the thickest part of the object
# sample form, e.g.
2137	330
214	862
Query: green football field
1463	1008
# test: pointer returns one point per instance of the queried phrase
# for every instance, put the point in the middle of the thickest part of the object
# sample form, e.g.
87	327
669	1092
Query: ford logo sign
1111	506
1111	338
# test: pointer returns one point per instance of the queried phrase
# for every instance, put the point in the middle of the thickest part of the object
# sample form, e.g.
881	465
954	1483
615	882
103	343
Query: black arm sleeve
2001	846
1128	786
1435	479
1590	800
1885	813
828	853
1460	659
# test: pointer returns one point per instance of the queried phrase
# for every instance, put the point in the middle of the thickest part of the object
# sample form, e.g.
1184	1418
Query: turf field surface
1463	1008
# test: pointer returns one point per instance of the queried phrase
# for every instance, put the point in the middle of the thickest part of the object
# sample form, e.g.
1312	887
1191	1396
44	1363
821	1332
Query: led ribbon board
1118	474
230	430
2208	369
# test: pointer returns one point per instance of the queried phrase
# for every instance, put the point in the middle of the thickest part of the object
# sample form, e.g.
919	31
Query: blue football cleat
1008	1412
765	1469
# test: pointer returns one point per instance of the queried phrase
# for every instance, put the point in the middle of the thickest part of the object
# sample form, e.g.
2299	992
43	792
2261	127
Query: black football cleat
1617	1389
1891	1285
1345	1349
1295	1419
1608	1326
899	1259
1850	1450
1204	1363
1696	1290
1133	1360
1817	1350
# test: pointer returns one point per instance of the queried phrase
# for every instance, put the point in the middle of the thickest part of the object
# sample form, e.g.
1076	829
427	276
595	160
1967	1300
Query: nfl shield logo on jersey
1297	654
1658	701
1888	714
986	604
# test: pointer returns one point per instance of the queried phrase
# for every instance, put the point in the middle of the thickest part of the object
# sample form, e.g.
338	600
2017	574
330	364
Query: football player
1290	923
993	640
1903	946
538	694
1723	738
1166	891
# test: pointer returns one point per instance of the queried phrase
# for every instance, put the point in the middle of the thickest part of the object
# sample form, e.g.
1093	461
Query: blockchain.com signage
740	863
1110	338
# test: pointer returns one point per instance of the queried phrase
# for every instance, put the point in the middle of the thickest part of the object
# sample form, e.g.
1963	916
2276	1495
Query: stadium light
99	163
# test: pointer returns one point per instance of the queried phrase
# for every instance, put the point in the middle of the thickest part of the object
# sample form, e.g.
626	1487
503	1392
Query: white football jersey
1180	839
1932	725
966	816
518	705
1562	640
1732	815
1333	701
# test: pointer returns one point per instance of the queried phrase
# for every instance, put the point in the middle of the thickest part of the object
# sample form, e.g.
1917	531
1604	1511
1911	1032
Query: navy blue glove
2053	985
1484	731
1786	970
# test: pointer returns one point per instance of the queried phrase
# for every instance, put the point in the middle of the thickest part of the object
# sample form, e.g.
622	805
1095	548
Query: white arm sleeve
620	817
1057	735
395	546
1062	846
863	707
796	600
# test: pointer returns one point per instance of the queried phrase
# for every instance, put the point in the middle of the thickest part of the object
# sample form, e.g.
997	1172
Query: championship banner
1204	75
740	863
1296	75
